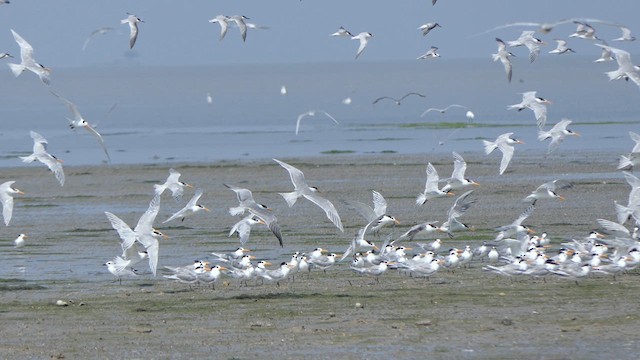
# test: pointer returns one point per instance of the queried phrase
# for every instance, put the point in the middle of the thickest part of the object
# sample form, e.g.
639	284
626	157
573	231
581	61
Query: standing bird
504	143
79	121
40	154
172	183
503	55
19	241
191	208
426	28
133	21
28	63
302	189
534	103
221	20
431	190
532	43
557	133
6	196
363	37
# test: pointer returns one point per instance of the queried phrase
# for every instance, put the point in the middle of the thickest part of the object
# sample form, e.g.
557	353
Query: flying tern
40	154
504	143
6	196
313	113
28	62
133	21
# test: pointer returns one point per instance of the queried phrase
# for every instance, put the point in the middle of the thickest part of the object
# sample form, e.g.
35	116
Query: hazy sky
178	32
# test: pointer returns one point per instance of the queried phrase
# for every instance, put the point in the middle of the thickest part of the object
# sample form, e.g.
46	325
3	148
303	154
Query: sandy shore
463	314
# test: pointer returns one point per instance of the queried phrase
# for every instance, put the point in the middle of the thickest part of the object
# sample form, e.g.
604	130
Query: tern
504	143
302	189
191	208
432	53
584	31
532	43
626	35
548	191
457	179
460	206
101	31
536	104
557	134
28	63
626	70
79	121
221	20
503	55
5	55
19	241
561	48
442	111
516	226
398	101
426	28
262	212
243	227
172	183
363	37
119	267
605	56
40	154
342	32
239	20
378	214
6	196
144	233
431	190
133	21
313	113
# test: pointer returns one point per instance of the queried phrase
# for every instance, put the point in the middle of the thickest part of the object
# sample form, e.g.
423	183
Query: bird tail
613	75
489	146
17	69
543	135
514	43
495	57
421	199
290	198
623	213
625	163
237	210
28	159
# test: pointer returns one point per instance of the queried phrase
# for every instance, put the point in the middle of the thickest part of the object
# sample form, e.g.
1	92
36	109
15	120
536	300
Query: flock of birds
521	253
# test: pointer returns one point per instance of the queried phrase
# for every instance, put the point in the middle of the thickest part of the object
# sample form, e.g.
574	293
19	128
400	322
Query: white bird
342	32
431	190
460	206
534	103
172	183
426	28
6	196
398	101
243	227
119	268
239	20
133	21
470	115
532	43
28	62
427	227
516	226
377	216
584	31
374	270
626	70
503	55
221	20
561	48
363	37
432	53
191	208
626	35
548	191
262	212
283	90
40	154
144	233
209	98
557	134
312	113
101	31
605	56
504	143
79	121
19	241
442	111
457	179
302	189
5	55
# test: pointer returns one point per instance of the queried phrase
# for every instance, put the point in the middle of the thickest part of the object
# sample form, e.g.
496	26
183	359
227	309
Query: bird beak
189	185
397	222
475	184
561	197
165	236
245	250
267	263
205	208
375	247
252	257
20	192
519	142
451	193
576	134
530	231
408	248
223	268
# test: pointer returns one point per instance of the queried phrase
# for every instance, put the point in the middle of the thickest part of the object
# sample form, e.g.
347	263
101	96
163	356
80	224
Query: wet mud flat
467	313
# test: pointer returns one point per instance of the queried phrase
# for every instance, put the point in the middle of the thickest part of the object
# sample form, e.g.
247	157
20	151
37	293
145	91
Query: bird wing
297	177
540	111
133	27
432	179
459	166
26	50
127	235
382	98
327	206
145	223
7	203
302	116
379	204
329	116
363	44
507	154
97	135
72	107
54	165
